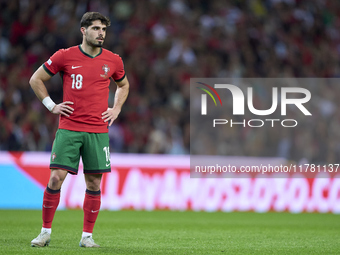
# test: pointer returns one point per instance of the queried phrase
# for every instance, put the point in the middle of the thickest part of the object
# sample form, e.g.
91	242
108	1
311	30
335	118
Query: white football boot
43	239
88	242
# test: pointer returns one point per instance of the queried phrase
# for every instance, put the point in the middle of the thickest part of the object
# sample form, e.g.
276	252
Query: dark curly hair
89	17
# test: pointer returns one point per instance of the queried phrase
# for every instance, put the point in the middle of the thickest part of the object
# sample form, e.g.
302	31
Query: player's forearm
39	88
121	95
37	83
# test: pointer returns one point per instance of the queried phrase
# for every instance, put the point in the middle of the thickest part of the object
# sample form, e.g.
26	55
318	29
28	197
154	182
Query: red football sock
91	209
50	204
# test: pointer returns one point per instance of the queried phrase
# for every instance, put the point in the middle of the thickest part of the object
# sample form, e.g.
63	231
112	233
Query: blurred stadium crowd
163	44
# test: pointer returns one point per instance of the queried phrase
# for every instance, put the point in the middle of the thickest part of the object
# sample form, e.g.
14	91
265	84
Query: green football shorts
93	148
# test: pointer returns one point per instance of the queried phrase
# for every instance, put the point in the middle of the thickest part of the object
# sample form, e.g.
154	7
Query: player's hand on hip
63	109
110	115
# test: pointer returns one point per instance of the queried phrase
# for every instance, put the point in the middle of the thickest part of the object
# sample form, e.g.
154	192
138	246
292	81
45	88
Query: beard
94	43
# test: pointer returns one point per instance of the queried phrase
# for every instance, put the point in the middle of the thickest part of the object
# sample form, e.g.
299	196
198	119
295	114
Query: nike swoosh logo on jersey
107	165
74	67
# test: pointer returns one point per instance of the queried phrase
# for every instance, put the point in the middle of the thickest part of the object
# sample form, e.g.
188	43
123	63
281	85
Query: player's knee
55	182
93	186
93	182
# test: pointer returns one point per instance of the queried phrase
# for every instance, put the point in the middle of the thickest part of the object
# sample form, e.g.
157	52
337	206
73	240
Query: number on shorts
107	153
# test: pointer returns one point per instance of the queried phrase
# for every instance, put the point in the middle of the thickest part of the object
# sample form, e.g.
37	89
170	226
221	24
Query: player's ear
82	30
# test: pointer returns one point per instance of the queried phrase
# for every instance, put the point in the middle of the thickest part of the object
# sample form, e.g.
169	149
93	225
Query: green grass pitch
166	232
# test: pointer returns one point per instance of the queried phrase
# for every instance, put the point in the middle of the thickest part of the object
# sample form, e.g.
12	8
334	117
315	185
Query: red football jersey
86	81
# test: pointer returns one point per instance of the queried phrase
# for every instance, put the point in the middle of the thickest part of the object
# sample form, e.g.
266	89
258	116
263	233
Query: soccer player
86	70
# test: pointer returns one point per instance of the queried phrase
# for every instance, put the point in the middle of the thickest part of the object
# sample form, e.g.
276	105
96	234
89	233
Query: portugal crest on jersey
53	156
106	69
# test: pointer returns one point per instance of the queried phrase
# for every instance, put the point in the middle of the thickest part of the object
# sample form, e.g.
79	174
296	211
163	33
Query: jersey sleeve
55	63
119	74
